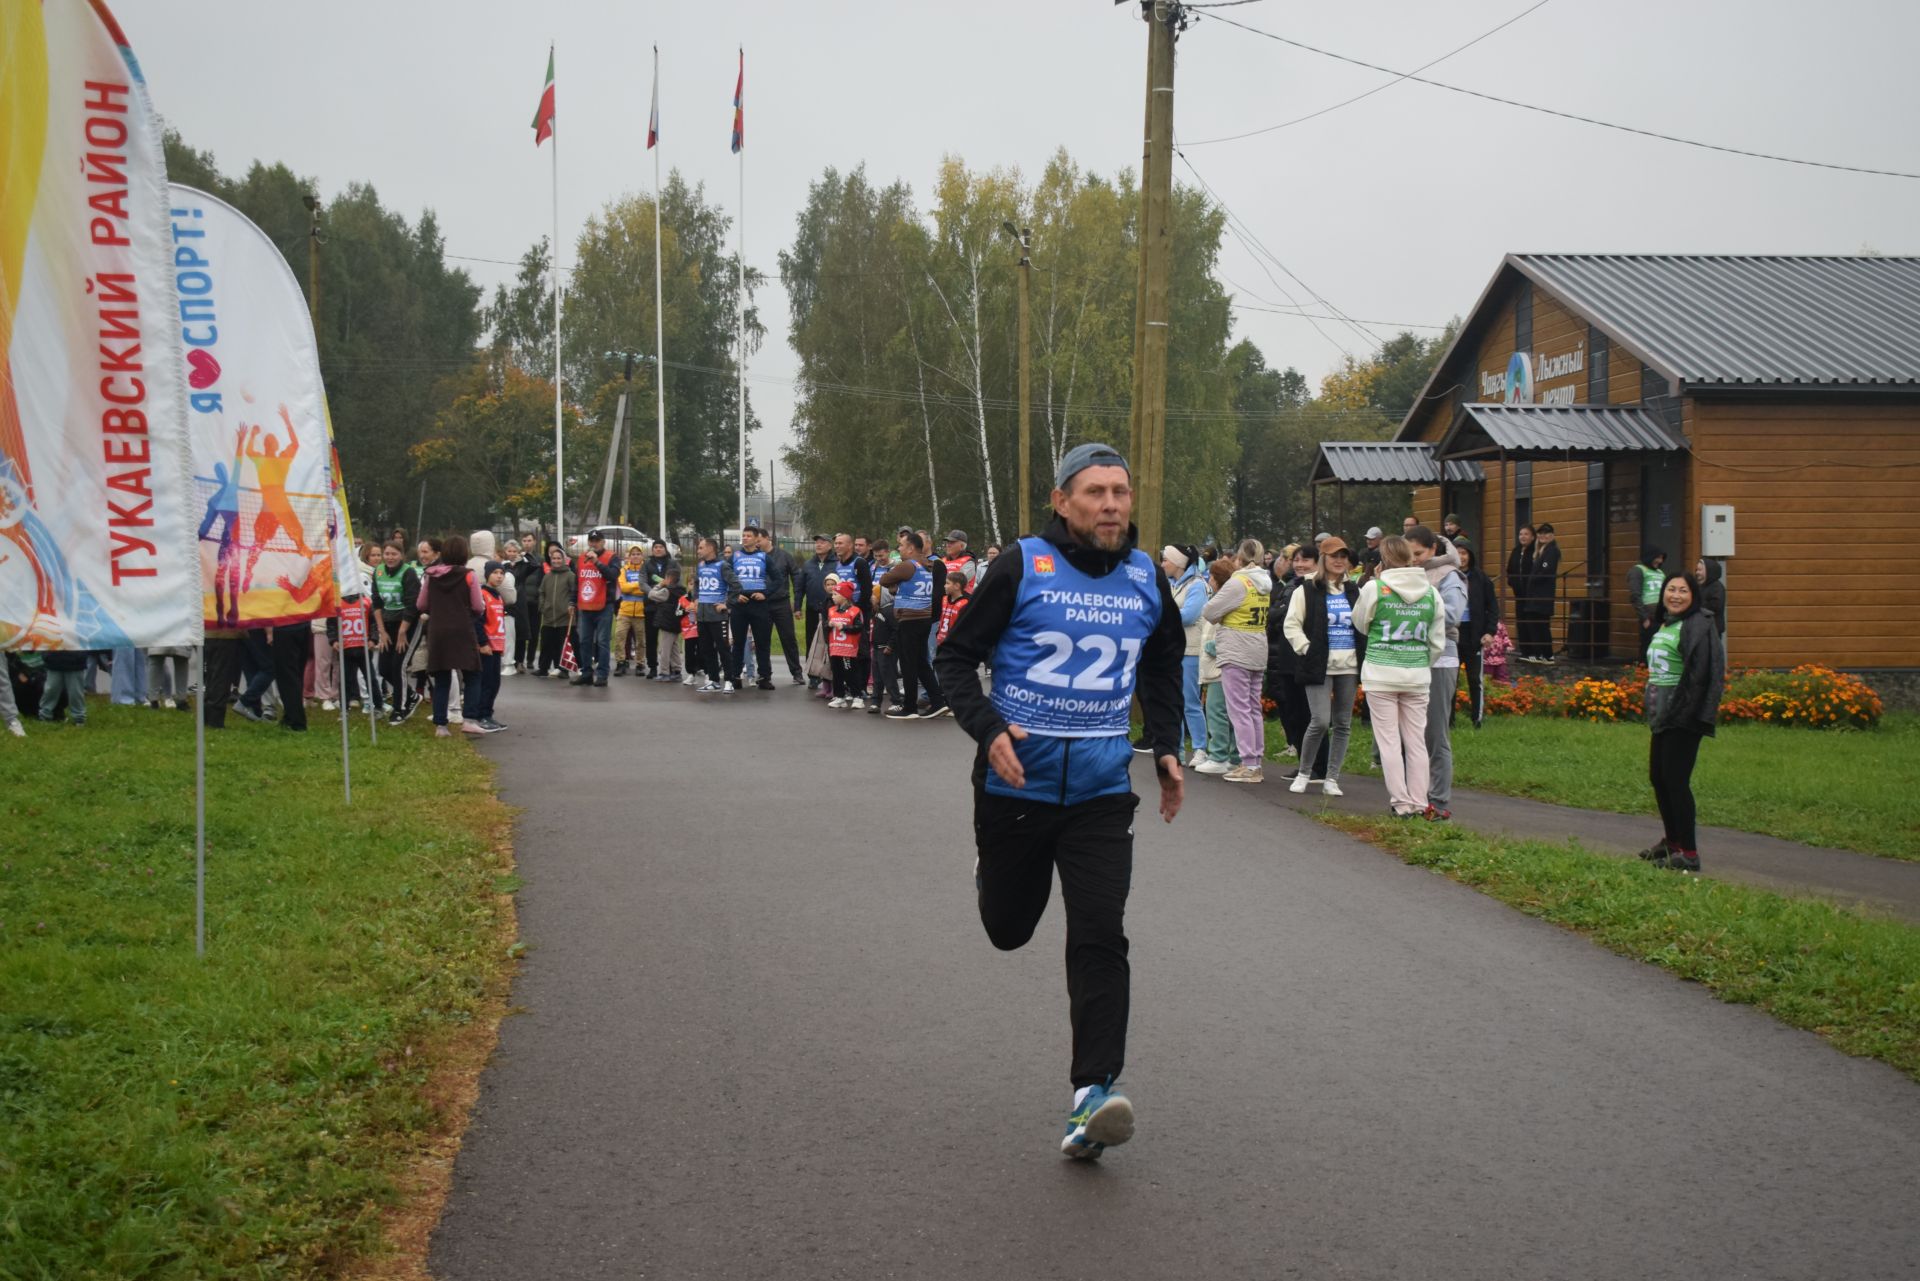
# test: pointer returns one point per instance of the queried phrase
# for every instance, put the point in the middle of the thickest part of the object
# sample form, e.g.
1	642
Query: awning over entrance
1385	462
1555	431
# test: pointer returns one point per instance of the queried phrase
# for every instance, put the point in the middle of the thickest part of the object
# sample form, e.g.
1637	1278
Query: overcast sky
1395	209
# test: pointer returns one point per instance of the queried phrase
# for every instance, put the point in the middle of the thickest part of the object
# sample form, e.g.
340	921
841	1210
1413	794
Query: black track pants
1020	844
1670	769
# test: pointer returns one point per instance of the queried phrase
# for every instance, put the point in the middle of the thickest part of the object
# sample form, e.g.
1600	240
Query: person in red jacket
956	601
598	573
844	626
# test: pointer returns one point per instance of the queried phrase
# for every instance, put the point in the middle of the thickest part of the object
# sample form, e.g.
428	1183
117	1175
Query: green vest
387	585
1663	657
1398	634
1651	581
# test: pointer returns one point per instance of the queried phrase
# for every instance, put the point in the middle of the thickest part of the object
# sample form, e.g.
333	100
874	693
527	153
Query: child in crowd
1222	752
483	688
356	670
663	615
956	600
843	649
1493	654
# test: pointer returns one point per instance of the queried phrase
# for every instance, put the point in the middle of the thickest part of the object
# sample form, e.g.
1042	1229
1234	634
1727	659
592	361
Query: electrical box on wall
1716	530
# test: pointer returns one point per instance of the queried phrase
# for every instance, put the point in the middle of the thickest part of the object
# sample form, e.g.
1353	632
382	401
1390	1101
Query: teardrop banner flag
96	551
263	492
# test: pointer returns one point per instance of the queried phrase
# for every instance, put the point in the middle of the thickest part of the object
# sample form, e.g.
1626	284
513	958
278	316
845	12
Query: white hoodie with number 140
1408	584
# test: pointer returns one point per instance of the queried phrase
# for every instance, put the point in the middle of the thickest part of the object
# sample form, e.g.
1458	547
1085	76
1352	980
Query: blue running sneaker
1103	1119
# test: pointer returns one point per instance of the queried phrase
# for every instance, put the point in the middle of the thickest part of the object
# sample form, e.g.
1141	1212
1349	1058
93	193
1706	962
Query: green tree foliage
394	321
609	317
905	324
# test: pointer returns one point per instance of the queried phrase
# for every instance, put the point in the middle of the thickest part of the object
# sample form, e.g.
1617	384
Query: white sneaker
1299	783
1246	774
169	704
16	729
1211	766
692	681
510	670
1290	750
836	703
1331	786
711	687
857	704
1199	759
327	705
454	717
731	687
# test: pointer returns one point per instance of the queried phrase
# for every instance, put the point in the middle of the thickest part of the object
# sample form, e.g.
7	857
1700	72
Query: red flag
739	109
543	116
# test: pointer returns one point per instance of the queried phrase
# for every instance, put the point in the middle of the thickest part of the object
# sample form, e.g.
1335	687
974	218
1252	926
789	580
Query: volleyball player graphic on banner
256	422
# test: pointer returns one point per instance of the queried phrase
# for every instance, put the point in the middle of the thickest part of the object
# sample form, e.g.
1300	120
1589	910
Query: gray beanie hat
1081	457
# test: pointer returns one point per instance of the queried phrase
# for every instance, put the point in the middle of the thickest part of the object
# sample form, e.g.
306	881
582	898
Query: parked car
619	538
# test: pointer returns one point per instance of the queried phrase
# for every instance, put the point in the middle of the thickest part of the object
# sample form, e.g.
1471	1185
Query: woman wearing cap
1240	612
1405	627
1686	668
1182	568
1320	630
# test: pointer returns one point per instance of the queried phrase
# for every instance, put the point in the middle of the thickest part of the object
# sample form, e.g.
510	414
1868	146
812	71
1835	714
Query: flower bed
1810	695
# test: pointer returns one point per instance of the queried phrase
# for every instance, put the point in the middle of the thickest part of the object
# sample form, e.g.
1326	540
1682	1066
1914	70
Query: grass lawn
245	1114
1847	789
1853	980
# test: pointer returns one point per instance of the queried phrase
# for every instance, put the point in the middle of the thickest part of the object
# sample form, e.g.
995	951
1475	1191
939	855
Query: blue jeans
481	688
129	676
73	686
1194	706
593	642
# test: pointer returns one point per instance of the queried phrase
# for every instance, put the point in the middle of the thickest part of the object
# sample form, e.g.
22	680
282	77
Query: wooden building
1768	407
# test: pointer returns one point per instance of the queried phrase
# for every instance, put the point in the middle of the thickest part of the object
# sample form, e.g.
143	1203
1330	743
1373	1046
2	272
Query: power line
1568	115
1313	115
1308	315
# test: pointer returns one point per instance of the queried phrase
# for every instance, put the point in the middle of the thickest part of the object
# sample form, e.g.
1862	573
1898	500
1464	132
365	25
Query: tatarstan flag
543	116
739	105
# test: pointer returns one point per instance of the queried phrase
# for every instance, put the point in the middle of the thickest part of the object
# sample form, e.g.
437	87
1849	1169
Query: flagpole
559	458
199	810
659	331
740	391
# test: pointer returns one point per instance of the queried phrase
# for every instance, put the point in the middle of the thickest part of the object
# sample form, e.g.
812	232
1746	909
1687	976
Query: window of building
1597	366
1523	317
1522	494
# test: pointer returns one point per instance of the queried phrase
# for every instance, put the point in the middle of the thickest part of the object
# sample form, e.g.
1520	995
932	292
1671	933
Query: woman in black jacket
1478	623
1710	580
1686	668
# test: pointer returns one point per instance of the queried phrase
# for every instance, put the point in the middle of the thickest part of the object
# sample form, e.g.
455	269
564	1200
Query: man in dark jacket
1063	618
782	577
811	580
525	569
1709	578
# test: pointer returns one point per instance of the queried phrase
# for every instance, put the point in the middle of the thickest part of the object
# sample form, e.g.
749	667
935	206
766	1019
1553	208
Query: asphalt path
760	1032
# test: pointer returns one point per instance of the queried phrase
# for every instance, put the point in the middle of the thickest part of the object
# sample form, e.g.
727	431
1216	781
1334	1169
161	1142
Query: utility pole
1023	238
1165	20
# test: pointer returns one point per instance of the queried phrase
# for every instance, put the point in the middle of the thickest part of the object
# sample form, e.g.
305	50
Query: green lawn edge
1853	980
256	1112
1840	789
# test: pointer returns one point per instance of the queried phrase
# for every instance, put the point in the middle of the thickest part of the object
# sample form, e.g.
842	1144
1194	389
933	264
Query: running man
1069	620
270	467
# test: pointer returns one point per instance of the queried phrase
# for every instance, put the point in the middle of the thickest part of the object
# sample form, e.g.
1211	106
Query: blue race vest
1065	665
848	571
1339	620
916	592
750	568
708	586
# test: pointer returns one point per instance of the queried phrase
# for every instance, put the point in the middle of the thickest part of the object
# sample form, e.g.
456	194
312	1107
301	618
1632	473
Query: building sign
1517	386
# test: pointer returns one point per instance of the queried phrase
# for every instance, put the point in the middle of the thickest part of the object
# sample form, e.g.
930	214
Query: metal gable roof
1557	431
1727	321
1382	462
